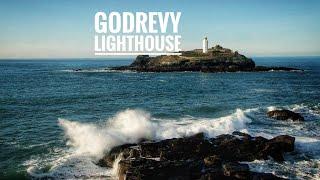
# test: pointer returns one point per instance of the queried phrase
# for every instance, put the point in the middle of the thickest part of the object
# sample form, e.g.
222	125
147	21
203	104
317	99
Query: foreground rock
218	59
285	115
198	157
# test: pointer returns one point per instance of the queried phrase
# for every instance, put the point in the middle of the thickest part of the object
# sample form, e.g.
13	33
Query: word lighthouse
127	33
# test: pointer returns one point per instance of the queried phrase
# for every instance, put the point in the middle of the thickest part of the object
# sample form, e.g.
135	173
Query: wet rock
178	148
285	115
275	147
237	170
212	161
233	148
143	168
108	160
198	157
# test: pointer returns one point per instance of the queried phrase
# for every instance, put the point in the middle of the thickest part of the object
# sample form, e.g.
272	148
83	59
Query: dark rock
142	168
212	161
197	157
232	148
107	160
286	142
285	115
237	170
177	148
277	146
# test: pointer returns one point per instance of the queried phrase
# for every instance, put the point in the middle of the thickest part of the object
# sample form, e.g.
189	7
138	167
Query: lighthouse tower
205	45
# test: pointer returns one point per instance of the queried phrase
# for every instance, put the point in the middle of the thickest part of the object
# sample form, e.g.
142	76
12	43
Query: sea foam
132	125
89	141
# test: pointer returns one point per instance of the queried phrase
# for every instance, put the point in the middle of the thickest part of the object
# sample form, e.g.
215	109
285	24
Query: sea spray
115	167
130	126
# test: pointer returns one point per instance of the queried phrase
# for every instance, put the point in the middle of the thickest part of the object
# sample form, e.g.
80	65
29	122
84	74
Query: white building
205	45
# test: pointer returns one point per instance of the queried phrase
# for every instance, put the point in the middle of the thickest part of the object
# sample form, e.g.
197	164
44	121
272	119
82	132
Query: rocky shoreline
198	157
201	157
218	59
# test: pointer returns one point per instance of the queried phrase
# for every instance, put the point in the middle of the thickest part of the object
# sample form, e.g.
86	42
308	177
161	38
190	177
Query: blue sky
65	29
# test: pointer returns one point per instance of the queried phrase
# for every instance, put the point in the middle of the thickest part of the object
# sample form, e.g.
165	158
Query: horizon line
100	57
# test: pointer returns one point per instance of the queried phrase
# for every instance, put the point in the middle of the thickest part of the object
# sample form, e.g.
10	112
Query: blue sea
56	122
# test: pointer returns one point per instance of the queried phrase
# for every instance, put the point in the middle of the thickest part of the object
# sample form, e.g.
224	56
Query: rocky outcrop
285	115
218	59
232	63
198	157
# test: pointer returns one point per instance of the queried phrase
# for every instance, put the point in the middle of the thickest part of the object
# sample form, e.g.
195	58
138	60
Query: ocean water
55	123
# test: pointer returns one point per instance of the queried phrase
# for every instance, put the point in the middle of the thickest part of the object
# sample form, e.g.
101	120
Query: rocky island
215	59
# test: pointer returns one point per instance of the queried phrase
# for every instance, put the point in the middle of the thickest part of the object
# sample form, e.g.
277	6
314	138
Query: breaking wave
88	141
130	126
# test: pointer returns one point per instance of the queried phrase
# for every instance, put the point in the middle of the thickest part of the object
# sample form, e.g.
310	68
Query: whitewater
88	142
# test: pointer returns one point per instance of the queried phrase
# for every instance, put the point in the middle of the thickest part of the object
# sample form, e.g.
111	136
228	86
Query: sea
56	123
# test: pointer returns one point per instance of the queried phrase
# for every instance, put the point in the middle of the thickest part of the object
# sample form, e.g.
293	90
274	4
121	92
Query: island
215	59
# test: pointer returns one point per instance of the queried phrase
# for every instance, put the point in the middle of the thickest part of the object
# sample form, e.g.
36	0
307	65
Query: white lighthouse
205	45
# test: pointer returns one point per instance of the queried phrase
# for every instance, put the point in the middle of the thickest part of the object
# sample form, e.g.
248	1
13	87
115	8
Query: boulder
275	147
197	157
285	115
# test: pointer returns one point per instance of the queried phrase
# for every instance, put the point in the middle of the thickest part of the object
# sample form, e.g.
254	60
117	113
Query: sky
65	29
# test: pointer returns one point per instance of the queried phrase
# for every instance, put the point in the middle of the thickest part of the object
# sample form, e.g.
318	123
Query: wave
70	167
130	126
88	141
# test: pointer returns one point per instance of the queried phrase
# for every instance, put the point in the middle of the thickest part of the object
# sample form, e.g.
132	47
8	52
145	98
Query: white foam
115	167
261	90
90	141
130	126
313	113
70	167
308	145
309	113
271	108
298	169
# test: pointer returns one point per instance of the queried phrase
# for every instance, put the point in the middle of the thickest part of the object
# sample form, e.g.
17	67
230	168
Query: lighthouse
205	45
